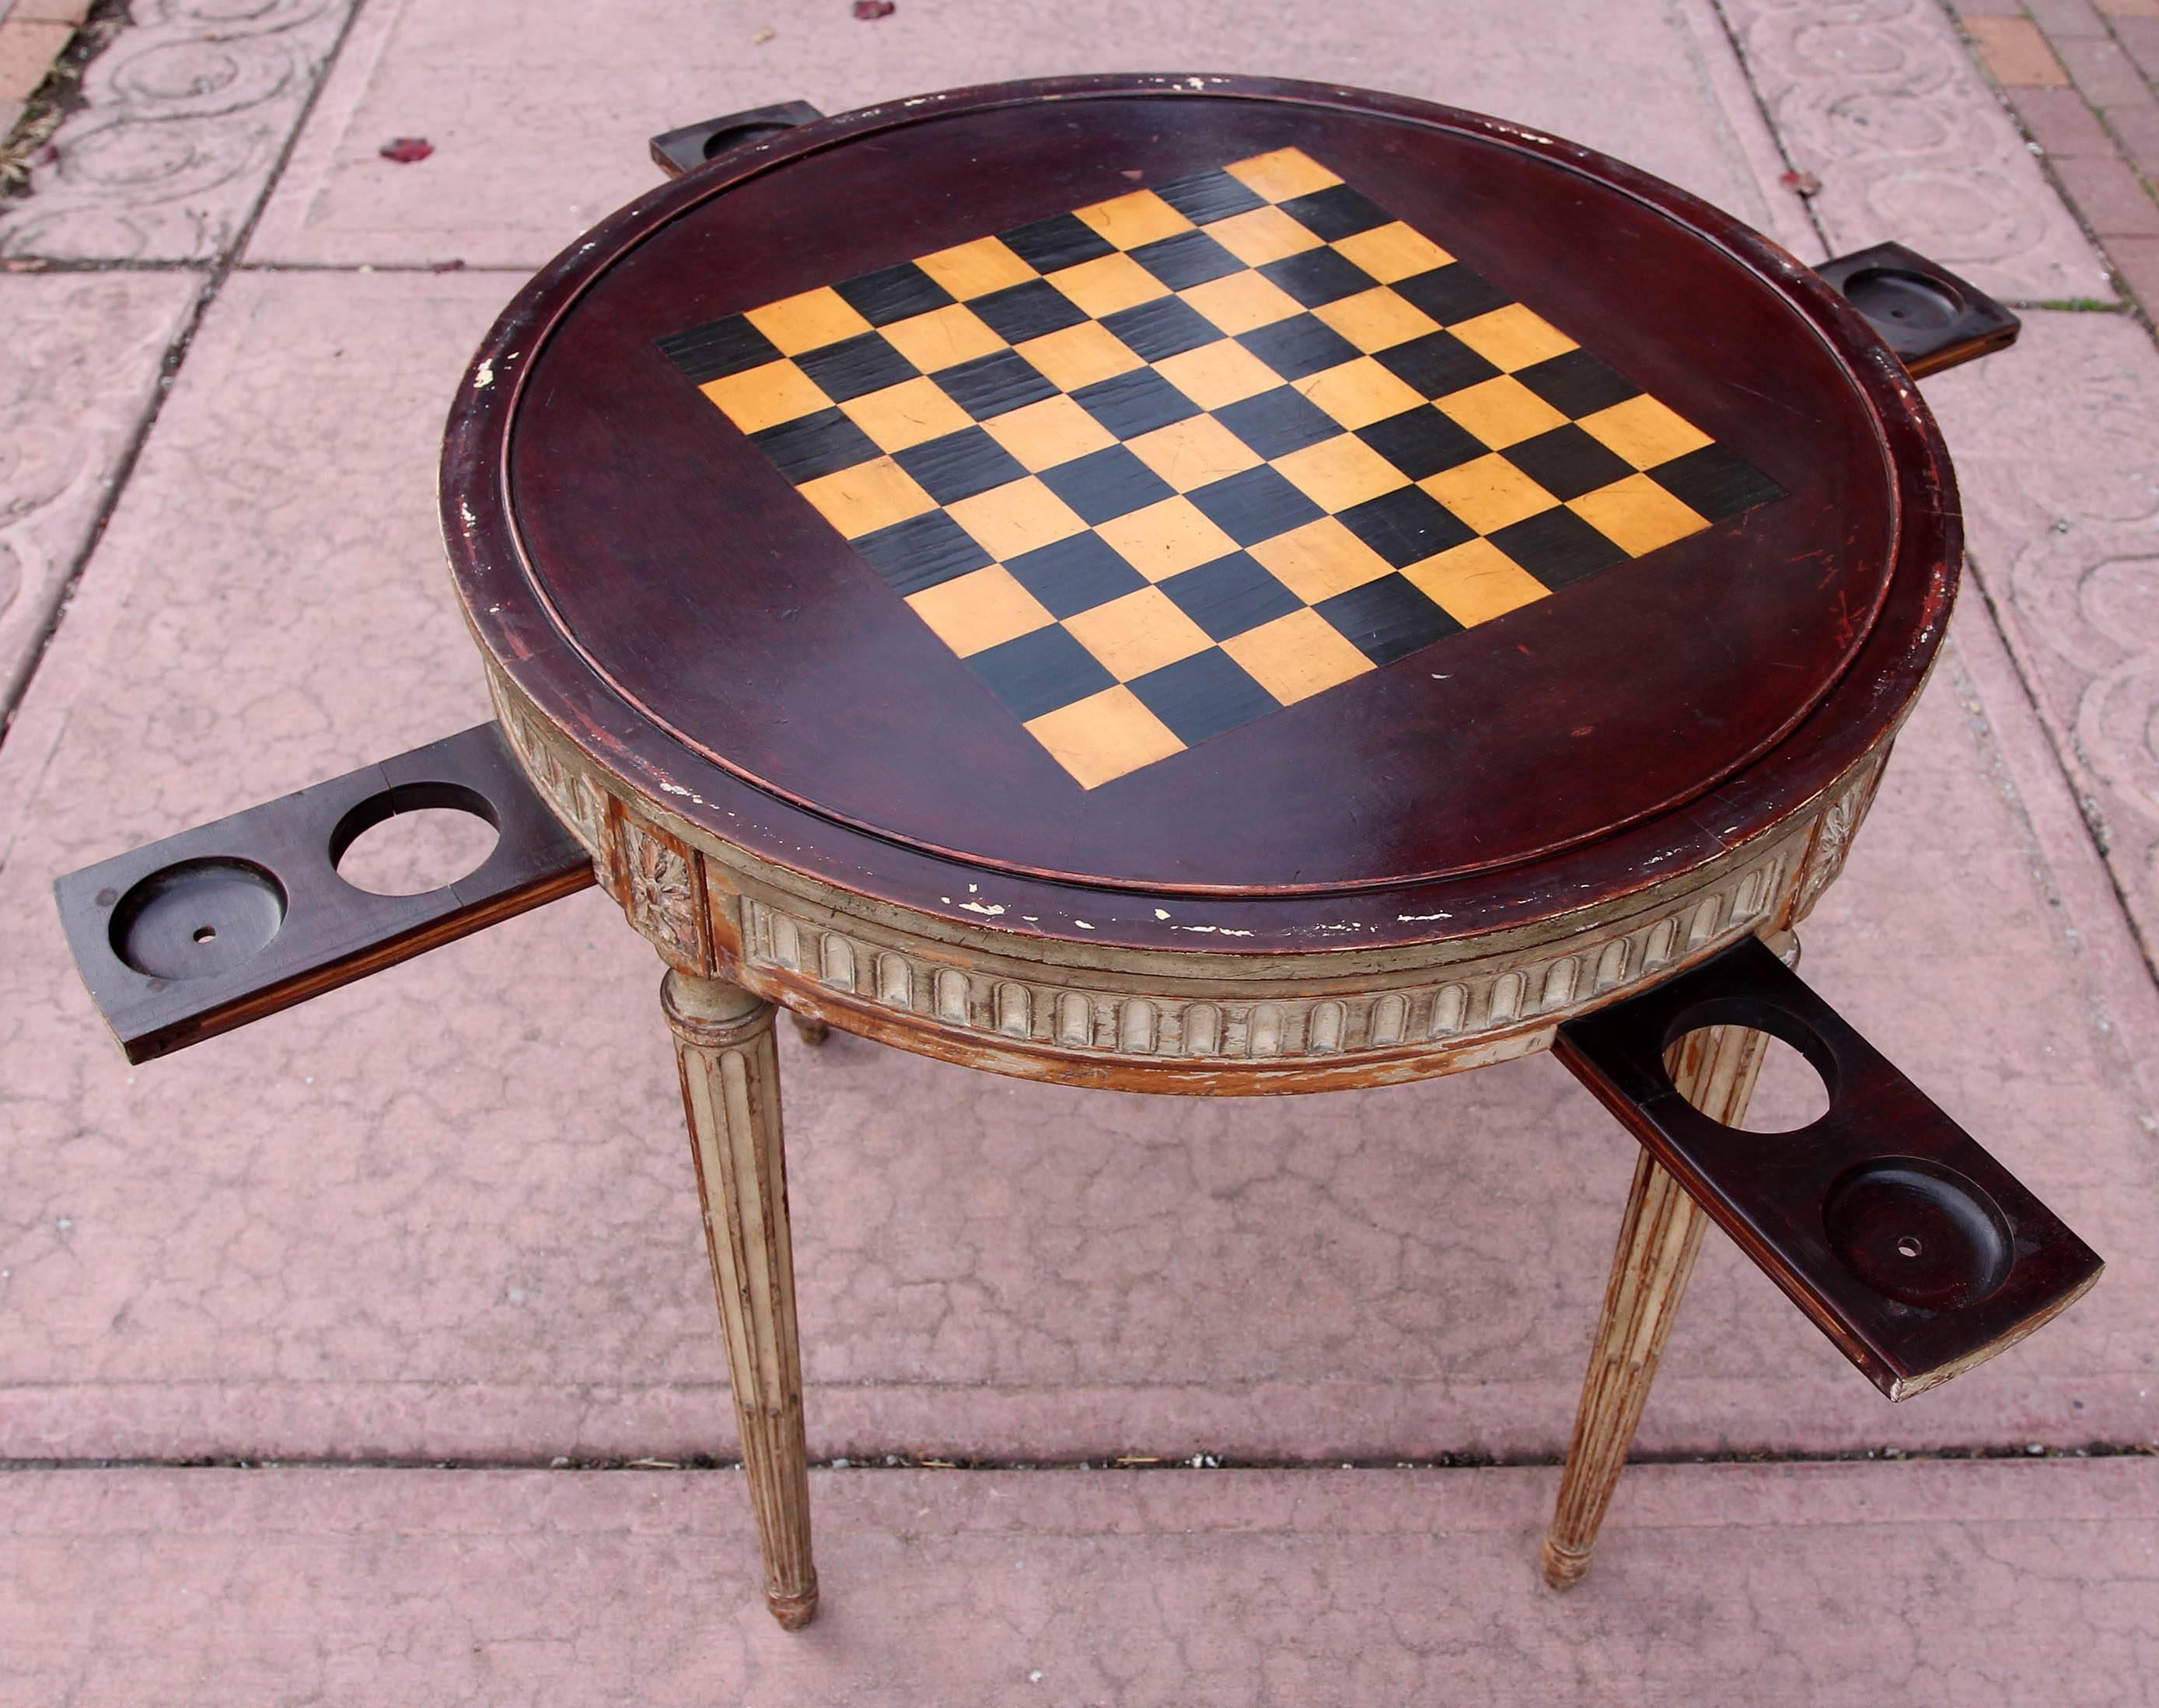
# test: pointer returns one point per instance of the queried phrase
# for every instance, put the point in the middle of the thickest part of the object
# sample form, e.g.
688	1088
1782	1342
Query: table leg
730	1067
1659	1238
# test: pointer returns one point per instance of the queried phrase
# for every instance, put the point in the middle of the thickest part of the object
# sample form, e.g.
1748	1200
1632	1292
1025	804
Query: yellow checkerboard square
1489	494
975	269
1502	411
1637	514
1138	633
869	496
1297	656
982	609
1166	538
1078	355
1017	517
944	338
1107	283
1130	220
1104	737
1218	375
1358	393
804	322
1282	174
1044	434
1392	252
1475	581
1512	338
1320	560
1338	472
1242	302
909	413
765	396
1196	452
1644	432
1377	319
1262	235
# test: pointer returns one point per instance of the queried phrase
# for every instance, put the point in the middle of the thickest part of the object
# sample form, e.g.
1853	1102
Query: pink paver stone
1931	1585
78	371
507	189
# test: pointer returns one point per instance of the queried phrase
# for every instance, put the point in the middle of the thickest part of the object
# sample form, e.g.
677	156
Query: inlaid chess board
1164	464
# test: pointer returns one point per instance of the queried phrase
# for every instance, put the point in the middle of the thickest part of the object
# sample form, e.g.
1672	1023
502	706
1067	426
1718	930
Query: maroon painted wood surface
1907	1244
186	938
667	597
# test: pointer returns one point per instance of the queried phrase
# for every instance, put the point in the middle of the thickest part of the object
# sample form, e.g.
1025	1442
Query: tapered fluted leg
724	1045
1657	1240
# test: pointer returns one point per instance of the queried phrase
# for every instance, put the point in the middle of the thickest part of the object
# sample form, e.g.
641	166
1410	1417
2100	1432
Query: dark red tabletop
1232	488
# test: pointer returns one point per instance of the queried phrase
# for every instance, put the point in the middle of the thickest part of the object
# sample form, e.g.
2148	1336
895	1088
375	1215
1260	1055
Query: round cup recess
197	918
1899	301
1917	1232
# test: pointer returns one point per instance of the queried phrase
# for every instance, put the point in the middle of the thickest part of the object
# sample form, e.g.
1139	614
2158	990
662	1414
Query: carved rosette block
1838	823
1659	1234
730	1069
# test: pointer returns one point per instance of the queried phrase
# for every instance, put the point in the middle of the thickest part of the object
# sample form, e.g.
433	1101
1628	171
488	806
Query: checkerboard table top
1162	465
1191	494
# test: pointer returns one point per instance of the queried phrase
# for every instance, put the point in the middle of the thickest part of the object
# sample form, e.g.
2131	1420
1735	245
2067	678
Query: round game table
1187	585
1192	585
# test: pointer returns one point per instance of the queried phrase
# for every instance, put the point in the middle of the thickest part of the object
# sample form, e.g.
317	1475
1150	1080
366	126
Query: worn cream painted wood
1715	1068
724	1042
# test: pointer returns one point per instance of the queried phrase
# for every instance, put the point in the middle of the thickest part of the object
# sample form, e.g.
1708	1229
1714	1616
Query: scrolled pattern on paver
186	114
2061	484
1880	101
77	371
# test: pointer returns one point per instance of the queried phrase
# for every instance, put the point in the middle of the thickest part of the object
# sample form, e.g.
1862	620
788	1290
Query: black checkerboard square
921	552
1422	441
1128	405
1387	619
1177	491
1257	505
1406	525
1168	326
959	465
1032	310
1205	696
1230	595
1317	277
893	294
990	385
1075	574
1207	196
1299	347
1188	259
1106	484
1278	422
